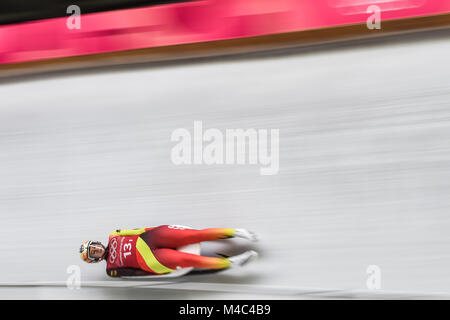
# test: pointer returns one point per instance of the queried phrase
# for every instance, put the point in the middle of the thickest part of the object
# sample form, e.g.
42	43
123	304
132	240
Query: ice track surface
364	171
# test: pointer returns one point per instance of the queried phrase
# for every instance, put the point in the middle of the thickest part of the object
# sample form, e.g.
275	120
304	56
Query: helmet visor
93	254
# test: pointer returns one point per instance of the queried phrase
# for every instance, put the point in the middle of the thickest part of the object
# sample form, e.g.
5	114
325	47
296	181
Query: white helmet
86	254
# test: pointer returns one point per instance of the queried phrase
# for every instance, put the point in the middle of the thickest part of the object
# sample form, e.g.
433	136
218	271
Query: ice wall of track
364	169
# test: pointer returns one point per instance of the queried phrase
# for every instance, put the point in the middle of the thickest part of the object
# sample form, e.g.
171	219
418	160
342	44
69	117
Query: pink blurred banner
193	22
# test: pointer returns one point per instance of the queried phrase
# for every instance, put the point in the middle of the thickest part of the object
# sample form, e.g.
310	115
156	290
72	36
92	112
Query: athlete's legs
173	258
174	236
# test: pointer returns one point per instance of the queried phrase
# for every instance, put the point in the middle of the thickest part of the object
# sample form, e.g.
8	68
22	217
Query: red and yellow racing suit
150	251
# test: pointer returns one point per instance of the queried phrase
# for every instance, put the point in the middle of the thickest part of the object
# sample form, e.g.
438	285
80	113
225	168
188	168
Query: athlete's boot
245	234
243	258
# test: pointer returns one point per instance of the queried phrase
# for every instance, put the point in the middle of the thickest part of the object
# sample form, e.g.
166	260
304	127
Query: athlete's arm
122	272
129	232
